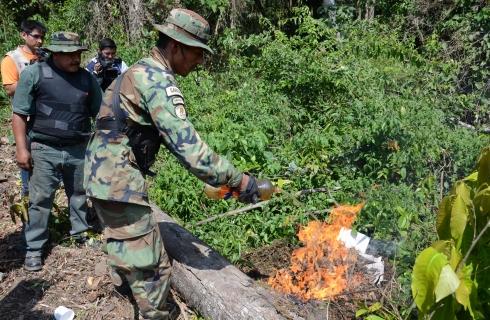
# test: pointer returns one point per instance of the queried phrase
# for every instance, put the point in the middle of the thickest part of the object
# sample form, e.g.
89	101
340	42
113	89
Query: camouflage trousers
135	251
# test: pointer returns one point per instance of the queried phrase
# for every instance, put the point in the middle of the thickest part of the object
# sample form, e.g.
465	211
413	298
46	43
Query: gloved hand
249	191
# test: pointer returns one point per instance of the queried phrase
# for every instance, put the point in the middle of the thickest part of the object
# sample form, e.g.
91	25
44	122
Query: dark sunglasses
37	36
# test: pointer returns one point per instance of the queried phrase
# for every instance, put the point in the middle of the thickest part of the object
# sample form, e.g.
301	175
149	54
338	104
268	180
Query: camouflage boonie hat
187	27
64	41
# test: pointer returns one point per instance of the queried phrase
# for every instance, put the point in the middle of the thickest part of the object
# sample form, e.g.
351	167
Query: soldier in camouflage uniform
142	109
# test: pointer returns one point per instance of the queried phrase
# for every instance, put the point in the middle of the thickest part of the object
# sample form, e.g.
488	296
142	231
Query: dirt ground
74	276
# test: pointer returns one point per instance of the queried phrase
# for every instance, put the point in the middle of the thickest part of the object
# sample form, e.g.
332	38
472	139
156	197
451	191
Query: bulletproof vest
61	104
20	60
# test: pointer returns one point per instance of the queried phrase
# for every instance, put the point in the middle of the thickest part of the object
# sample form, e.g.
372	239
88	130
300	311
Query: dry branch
263	203
233	212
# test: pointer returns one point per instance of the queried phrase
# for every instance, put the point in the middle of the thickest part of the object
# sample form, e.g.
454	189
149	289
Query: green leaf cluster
449	279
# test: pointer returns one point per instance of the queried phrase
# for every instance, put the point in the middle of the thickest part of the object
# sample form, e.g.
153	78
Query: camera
110	71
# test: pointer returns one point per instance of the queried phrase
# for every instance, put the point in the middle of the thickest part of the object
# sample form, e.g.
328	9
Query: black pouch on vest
145	143
144	140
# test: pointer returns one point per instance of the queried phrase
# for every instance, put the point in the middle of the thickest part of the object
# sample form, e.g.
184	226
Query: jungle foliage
380	102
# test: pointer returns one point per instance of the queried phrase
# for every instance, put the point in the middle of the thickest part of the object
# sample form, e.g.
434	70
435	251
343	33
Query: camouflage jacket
150	96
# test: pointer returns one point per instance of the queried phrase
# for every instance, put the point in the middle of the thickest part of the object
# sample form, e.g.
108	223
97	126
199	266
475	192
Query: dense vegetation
378	102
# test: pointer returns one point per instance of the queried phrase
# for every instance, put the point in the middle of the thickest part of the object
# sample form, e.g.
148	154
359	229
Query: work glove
249	191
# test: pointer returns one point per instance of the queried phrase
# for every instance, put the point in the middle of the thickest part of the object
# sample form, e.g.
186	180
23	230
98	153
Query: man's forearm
10	88
19	127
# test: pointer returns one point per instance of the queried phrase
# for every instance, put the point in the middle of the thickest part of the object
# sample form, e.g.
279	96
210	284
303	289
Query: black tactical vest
144	140
62	109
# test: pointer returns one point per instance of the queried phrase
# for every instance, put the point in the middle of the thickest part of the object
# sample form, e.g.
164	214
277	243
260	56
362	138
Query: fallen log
212	285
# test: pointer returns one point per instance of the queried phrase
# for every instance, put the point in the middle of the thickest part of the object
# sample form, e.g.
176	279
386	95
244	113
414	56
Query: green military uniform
61	104
149	96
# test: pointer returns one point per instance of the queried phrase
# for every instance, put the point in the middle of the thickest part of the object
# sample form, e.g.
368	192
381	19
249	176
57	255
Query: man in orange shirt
32	32
16	60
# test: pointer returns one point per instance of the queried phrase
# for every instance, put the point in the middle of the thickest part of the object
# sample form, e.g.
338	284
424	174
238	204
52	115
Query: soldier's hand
97	67
24	159
249	192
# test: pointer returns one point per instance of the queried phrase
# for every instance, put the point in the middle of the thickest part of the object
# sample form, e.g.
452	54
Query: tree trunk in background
136	15
370	9
233	14
365	9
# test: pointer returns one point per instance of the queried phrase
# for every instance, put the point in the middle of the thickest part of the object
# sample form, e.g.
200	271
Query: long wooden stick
233	212
263	203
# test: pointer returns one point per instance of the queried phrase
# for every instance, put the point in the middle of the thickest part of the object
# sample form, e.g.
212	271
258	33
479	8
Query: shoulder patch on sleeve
173	91
180	112
178	100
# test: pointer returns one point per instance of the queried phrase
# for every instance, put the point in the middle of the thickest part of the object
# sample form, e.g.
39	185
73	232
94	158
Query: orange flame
318	270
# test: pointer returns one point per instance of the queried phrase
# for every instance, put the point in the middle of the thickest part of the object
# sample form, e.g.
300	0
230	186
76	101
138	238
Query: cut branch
233	212
263	203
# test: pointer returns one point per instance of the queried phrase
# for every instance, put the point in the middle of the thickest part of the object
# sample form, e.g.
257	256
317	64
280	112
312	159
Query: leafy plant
449	279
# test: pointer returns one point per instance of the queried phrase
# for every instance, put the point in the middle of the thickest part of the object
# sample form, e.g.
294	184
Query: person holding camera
105	66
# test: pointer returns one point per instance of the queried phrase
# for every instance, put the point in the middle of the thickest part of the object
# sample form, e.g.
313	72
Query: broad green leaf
463	292
374	317
282	182
459	217
443	224
472	181
375	307
461	189
403	173
472	177
425	276
484	166
447	284
455	257
447	248
442	246
361	312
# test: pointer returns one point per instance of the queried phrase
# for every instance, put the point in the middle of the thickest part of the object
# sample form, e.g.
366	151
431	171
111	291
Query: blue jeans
50	165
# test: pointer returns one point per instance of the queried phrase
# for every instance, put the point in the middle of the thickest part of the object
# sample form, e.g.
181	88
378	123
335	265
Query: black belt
61	144
108	124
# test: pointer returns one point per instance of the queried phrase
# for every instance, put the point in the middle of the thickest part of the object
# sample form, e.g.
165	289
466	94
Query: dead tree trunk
211	284
136	14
